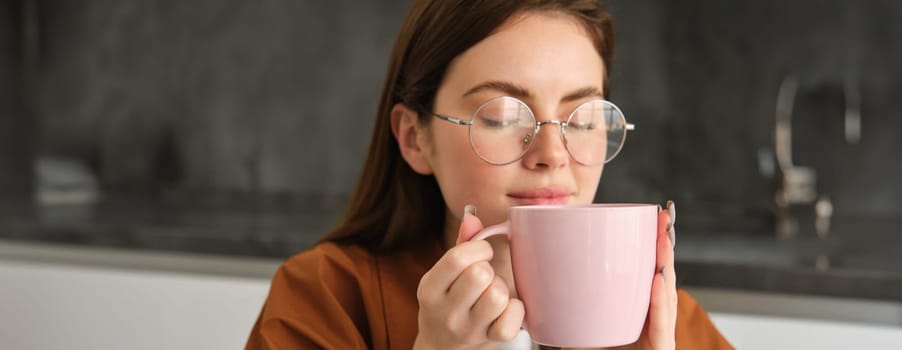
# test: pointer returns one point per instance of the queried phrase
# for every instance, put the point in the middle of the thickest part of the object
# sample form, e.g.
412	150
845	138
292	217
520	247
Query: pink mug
584	273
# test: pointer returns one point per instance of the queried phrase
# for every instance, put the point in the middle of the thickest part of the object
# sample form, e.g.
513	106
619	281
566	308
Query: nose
549	149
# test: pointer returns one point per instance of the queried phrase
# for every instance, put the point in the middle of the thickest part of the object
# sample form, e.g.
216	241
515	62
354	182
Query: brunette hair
393	206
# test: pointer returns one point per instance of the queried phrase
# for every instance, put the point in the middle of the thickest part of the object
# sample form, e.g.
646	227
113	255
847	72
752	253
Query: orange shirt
346	297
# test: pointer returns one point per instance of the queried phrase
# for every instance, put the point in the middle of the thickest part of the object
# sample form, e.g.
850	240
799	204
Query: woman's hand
463	304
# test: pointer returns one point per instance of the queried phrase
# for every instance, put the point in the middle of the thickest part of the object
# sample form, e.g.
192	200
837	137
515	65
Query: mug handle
503	228
499	229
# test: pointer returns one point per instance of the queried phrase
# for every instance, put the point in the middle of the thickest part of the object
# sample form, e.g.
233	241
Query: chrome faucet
852	95
796	185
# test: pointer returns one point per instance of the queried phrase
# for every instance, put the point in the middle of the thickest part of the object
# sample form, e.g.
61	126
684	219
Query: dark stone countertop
240	228
861	259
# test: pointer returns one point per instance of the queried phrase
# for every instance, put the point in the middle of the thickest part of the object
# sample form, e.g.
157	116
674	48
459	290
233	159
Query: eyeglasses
503	129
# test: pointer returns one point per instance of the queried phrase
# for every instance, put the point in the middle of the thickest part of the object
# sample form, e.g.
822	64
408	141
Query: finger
662	308
436	282
470	225
664	258
661	321
490	304
507	326
470	285
665	255
664	223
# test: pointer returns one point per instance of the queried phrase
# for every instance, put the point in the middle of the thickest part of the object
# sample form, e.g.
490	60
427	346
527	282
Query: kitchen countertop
854	261
857	261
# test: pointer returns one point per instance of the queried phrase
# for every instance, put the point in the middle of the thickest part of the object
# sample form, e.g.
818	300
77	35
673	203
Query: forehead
547	52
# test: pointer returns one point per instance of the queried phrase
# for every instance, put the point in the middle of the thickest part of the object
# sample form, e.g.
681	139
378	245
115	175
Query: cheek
466	179
588	180
455	169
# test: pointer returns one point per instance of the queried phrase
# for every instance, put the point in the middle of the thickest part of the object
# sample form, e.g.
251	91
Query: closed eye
582	126
495	123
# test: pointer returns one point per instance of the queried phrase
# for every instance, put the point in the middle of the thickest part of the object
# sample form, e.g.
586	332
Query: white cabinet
769	332
778	321
79	298
51	305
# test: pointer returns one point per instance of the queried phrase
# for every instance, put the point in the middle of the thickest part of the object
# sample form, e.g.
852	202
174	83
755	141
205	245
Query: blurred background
207	140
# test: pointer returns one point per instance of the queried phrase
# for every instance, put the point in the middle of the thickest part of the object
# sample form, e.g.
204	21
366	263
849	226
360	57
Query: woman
394	273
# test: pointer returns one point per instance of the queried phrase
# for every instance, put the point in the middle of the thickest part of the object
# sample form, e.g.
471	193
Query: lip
542	196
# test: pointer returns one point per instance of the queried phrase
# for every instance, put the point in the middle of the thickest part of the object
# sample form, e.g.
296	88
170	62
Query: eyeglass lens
503	129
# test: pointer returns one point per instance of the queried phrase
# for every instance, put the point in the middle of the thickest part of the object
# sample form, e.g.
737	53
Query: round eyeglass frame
538	125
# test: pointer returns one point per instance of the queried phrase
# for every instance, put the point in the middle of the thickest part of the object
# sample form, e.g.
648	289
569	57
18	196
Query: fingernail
671	230
470	209
671	207
659	208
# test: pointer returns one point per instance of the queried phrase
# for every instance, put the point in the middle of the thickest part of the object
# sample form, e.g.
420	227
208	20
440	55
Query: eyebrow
588	91
523	93
503	86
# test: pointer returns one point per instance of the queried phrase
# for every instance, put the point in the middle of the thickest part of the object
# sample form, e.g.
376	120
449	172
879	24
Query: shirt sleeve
314	302
694	329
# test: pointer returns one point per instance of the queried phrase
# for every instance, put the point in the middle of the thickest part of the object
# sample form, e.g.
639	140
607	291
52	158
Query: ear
412	139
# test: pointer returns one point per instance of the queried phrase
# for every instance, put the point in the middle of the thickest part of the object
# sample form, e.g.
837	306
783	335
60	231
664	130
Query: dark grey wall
214	95
278	97
16	127
705	74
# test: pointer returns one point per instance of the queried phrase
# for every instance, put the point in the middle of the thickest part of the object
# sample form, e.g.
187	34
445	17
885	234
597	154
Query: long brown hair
393	206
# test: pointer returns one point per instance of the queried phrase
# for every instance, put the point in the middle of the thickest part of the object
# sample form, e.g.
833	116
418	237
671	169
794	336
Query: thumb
470	225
